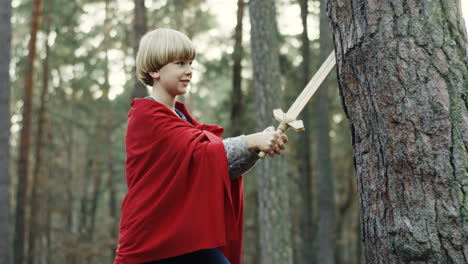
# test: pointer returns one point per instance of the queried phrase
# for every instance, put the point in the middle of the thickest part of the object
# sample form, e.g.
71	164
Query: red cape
180	198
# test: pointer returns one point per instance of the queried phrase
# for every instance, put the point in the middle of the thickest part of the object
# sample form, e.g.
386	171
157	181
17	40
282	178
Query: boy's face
174	77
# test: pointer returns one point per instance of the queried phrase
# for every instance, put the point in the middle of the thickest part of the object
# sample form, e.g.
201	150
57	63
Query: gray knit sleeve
240	158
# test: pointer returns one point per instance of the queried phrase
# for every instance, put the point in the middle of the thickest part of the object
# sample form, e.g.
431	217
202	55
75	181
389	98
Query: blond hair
160	47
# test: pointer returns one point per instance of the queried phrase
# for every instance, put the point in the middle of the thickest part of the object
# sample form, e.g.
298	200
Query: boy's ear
155	74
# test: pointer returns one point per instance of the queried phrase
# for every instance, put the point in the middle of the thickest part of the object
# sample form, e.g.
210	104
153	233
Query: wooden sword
288	119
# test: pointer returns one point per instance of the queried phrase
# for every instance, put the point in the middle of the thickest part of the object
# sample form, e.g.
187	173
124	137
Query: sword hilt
285	123
283	126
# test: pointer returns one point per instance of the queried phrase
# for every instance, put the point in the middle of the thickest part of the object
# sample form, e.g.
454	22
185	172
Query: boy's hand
267	141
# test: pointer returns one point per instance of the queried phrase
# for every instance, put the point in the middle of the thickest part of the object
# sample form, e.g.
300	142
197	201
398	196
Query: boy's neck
166	99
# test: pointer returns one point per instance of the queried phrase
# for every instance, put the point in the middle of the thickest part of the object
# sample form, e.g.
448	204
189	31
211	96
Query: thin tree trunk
139	29
23	163
305	246
113	214
51	155
48	229
5	44
41	244
274	220
103	125
237	110
326	234
70	169
96	193
84	203
402	69
37	184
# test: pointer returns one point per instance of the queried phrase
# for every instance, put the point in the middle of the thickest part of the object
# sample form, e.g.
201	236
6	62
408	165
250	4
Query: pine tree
402	69
274	220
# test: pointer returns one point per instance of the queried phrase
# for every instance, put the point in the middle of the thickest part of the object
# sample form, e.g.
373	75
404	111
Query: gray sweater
240	158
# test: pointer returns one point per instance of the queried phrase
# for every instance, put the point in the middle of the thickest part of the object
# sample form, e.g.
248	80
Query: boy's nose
188	69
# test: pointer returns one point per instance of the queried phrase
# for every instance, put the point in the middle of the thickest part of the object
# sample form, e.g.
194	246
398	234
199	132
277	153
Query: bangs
179	49
167	46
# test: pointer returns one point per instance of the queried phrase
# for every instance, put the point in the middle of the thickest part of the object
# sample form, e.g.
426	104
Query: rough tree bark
403	76
25	140
274	221
139	29
5	44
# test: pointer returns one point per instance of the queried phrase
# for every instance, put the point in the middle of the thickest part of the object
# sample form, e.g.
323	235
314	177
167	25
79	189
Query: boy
185	195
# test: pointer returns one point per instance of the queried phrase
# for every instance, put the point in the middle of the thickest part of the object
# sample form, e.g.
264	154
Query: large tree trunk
237	108
326	201
274	220
23	163
5	43
37	187
402	69
139	29
305	244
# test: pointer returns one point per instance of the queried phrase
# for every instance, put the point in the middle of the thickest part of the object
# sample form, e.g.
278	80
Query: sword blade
311	87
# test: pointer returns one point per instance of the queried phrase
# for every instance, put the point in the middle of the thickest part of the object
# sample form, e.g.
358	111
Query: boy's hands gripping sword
289	119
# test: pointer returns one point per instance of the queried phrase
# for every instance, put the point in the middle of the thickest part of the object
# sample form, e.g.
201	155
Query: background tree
237	110
5	44
402	69
36	198
326	201
303	154
23	164
139	29
273	210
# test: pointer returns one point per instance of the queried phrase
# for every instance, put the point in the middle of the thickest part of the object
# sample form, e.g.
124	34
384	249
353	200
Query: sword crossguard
284	118
285	122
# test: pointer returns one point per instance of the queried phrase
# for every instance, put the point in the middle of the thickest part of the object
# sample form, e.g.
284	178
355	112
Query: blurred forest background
71	90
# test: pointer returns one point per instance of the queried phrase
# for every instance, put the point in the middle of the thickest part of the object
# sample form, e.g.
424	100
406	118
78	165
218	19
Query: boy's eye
182	63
